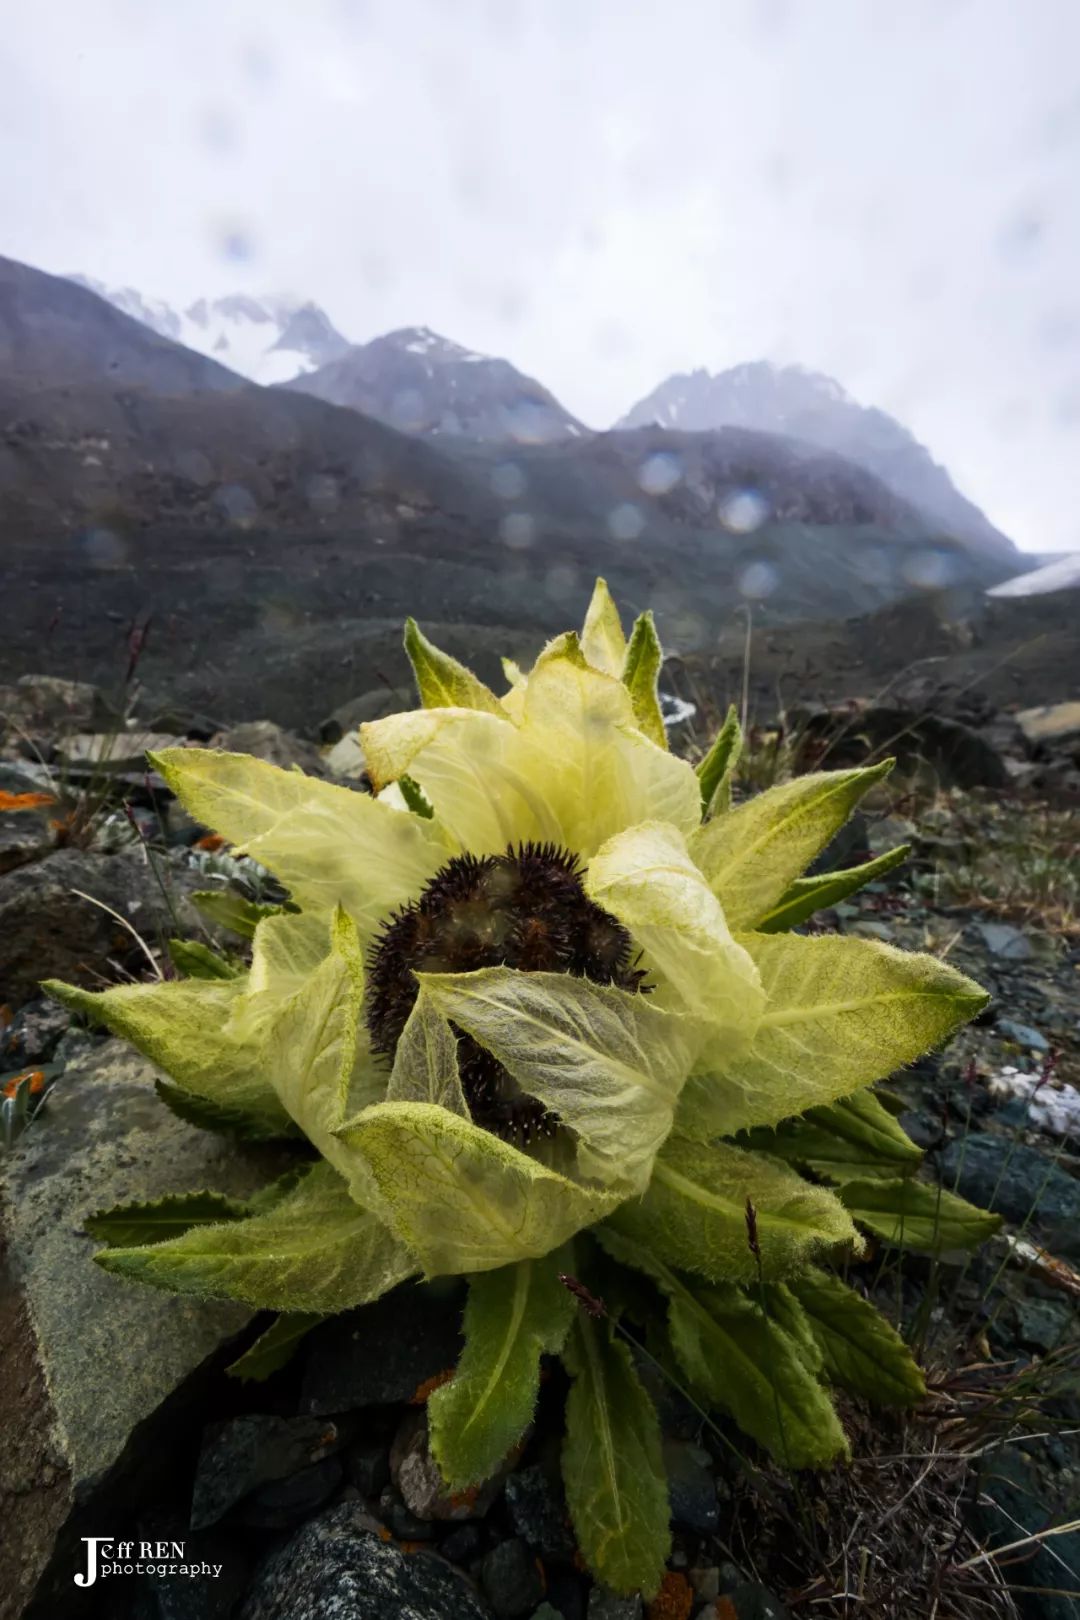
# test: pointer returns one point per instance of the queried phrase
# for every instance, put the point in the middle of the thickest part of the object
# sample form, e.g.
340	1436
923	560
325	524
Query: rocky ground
314	1490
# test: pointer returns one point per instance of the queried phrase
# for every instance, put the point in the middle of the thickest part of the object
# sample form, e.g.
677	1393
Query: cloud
604	193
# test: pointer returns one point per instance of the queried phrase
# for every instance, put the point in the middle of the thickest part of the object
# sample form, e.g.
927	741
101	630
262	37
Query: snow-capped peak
265	339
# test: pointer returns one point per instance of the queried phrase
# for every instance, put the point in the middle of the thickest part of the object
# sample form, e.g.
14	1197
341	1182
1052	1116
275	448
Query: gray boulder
266	740
45	704
92	1360
50	930
337	1568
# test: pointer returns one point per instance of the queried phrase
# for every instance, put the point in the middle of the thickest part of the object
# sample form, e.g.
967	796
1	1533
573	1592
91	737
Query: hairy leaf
513	1316
784	1310
609	1064
130	1225
811	894
914	1215
315	1250
693	1214
844	1141
861	1351
441	681
233	911
646	879
327	844
425	1060
180	1025
602	639
752	856
640	673
613	1467
274	1348
716	770
463	1199
839	1013
212	1116
197	961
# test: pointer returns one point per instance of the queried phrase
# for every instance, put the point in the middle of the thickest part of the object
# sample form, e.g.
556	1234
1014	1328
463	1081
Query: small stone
1002	939
868	928
546	1612
998	1173
285	1502
753	1602
1023	1035
511	1579
462	1544
264	739
416	1474
1042	1323
252	1450
33	1034
368	1468
385	1352
537	1505
605	1605
691	1487
404	1524
337	1566
706	1582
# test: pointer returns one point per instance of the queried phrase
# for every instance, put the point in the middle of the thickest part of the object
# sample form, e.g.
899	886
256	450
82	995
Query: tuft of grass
1013	859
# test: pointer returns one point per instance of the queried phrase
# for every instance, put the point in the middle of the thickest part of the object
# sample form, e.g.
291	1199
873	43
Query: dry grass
1015	859
890	1537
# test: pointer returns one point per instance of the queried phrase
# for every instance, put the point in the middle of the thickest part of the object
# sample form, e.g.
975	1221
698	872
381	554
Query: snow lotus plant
536	1010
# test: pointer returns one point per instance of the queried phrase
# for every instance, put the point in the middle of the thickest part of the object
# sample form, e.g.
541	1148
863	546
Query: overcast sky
604	191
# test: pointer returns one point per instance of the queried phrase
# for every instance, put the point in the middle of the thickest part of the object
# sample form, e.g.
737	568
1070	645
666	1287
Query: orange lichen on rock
36	1078
428	1387
675	1599
211	842
25	801
725	1609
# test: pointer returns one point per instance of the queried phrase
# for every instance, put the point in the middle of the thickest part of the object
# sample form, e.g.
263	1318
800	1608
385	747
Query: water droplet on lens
743	511
508	481
758	580
626	522
238	505
517	530
660	472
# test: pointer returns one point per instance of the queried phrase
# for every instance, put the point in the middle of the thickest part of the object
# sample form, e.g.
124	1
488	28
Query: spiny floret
525	909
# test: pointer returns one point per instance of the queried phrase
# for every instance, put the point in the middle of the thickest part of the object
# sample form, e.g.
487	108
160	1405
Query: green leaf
861	1351
197	961
602	639
212	1116
782	1308
512	1318
811	894
839	1014
693	1214
274	1348
181	1026
716	770
441	681
316	1043
739	1360
315	1251
610	1065
915	1215
415	797
843	1141
425	1060
640	674
646	879
131	1225
613	1468
752	856
230	910
327	844
463	1199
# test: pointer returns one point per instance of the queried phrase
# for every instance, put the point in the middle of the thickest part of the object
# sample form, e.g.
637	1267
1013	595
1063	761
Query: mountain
1061	574
267	340
806	405
422	383
54	331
